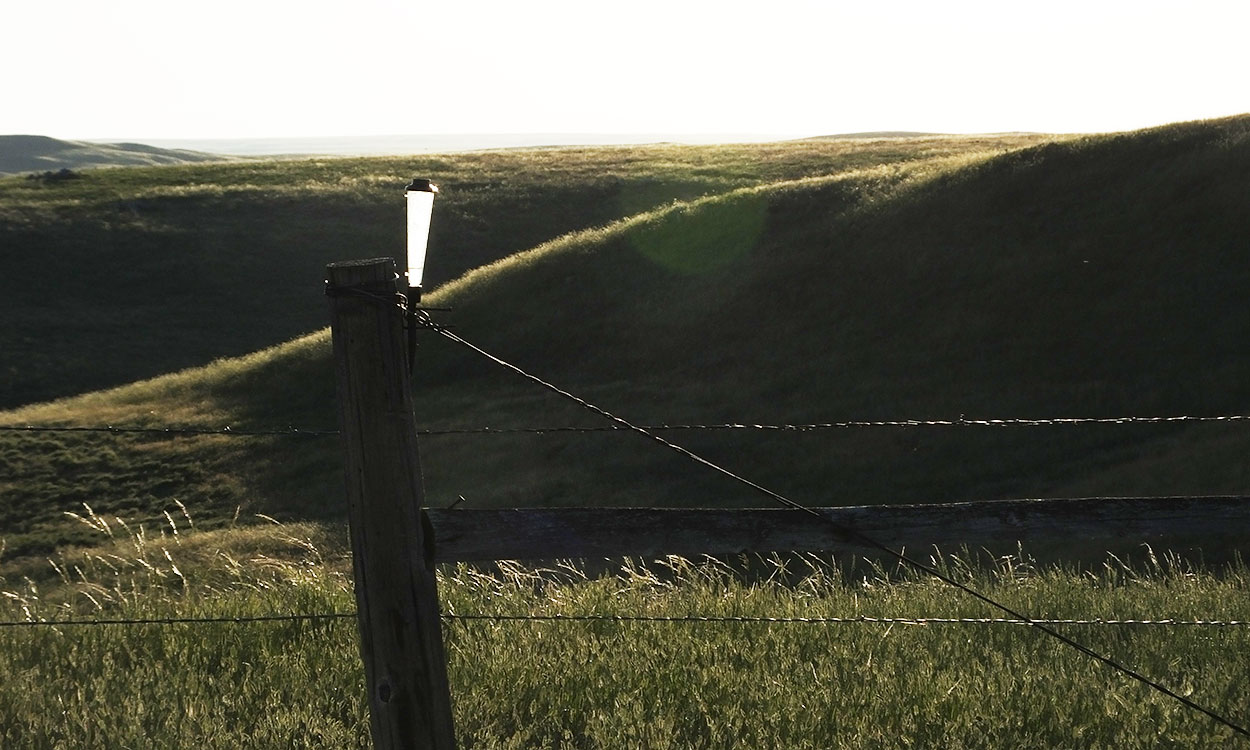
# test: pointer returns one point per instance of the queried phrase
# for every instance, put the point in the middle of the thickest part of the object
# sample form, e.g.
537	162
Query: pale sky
86	69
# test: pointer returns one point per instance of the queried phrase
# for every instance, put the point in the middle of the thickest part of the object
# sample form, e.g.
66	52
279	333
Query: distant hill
874	134
37	153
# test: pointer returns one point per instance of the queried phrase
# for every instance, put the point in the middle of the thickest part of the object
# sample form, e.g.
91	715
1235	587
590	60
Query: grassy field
1090	277
609	684
922	278
124	274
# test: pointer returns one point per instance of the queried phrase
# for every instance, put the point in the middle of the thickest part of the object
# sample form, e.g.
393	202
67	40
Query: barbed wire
177	620
855	619
844	531
655	619
617	423
724	426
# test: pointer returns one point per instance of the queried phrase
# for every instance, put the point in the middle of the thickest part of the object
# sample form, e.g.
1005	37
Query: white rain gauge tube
420	195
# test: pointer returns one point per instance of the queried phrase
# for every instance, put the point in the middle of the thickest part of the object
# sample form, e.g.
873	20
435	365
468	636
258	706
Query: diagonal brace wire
845	532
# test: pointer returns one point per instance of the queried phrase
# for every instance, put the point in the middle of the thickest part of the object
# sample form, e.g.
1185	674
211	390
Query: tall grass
610	684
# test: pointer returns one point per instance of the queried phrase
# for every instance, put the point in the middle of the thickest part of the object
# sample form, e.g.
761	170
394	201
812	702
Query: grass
125	274
609	684
789	283
1093	277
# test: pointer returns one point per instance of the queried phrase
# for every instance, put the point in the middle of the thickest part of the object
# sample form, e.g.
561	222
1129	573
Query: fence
396	542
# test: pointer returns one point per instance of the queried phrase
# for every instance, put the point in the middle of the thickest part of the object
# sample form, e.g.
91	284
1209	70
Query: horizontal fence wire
842	530
848	424
726	426
855	619
649	619
178	620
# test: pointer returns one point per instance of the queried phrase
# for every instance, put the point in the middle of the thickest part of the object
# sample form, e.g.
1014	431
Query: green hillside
125	274
1091	277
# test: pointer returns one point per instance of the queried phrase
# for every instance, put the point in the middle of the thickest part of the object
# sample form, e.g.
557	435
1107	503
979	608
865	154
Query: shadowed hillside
1094	277
37	153
125	274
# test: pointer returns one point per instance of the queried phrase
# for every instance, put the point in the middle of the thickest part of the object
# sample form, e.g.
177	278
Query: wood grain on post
396	596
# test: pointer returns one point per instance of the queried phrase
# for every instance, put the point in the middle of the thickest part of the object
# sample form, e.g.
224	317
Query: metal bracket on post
411	322
396	593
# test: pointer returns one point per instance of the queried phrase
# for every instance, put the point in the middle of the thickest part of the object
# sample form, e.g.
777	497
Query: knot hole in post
385	693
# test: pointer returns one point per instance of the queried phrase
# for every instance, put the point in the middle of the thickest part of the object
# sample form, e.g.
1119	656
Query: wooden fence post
396	596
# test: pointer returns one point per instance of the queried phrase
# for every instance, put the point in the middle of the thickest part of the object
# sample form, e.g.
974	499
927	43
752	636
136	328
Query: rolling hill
1099	276
38	153
125	274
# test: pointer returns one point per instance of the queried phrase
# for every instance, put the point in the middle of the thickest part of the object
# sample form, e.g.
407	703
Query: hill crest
40	153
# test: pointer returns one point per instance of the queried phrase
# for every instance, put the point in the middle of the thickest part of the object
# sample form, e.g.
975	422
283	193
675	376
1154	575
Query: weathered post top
363	271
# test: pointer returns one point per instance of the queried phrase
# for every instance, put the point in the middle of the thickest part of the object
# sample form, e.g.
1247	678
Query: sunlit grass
681	220
183	398
609	684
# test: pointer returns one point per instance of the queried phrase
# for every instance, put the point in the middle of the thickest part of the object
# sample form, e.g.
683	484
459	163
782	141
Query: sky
156	69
